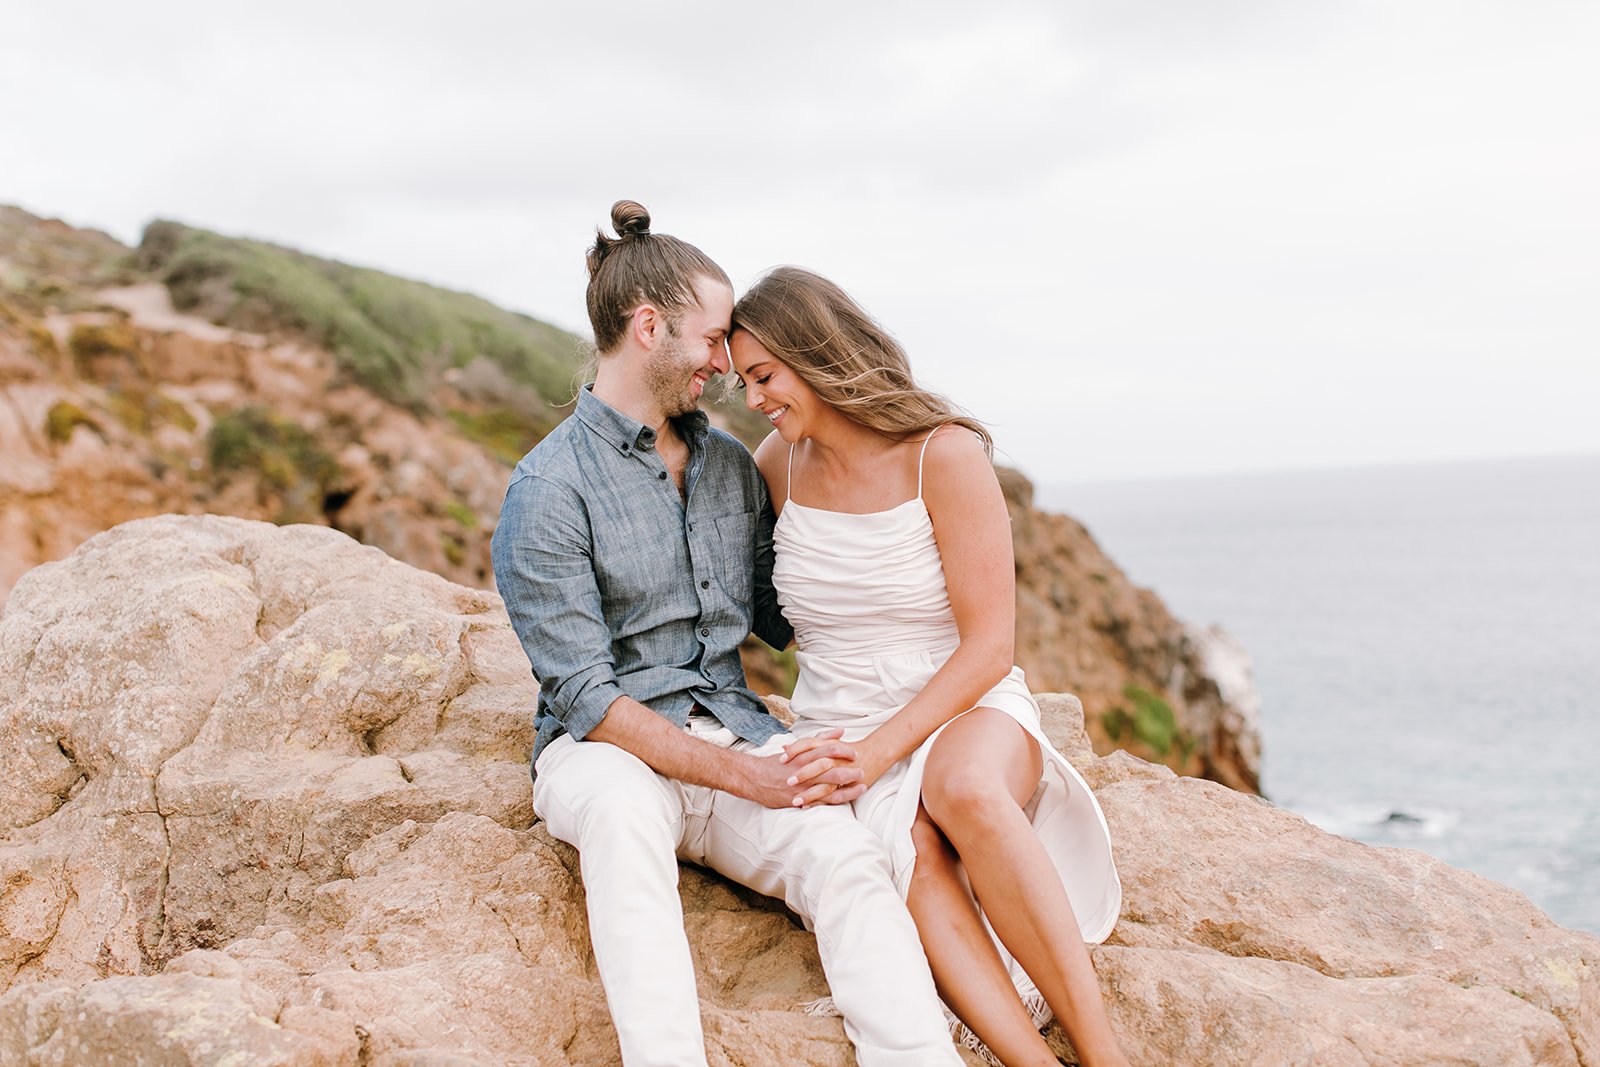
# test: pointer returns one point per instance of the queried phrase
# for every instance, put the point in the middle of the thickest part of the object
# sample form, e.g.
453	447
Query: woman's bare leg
966	967
980	773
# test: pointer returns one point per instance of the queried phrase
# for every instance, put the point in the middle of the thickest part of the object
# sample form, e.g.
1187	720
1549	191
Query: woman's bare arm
973	531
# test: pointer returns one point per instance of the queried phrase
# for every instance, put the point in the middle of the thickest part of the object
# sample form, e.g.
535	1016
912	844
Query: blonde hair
837	349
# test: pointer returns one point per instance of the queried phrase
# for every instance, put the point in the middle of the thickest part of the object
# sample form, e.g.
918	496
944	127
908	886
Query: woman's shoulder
952	446
955	463
772	459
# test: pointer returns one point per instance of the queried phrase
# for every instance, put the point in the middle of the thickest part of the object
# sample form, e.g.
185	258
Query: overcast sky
1140	239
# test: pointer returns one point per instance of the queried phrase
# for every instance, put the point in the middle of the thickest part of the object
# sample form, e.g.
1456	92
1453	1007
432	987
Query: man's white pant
630	825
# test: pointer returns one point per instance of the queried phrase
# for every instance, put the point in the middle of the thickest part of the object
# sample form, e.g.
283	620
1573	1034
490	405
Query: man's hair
838	350
639	267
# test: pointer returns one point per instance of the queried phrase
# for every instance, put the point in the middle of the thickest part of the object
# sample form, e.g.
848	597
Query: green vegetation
64	417
90	341
454	550
464	516
44	342
390	334
790	667
1151	722
395	336
142	410
284	455
503	431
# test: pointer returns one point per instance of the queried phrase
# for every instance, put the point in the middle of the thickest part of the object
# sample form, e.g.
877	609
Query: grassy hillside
399	338
393	335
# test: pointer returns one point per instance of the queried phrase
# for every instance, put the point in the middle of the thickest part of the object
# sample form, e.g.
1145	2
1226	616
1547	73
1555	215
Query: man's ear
647	325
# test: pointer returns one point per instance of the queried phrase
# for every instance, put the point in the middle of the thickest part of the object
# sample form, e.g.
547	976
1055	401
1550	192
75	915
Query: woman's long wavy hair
838	350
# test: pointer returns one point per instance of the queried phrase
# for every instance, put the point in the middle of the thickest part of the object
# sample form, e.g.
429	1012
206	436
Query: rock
1250	881
265	795
180	1018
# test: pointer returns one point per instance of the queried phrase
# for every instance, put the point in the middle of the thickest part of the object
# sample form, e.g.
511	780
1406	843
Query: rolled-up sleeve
543	566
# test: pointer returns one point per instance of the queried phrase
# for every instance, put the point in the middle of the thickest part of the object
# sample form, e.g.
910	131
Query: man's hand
772	781
815	760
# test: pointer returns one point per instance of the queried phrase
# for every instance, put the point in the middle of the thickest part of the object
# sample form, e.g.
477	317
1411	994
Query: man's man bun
630	219
638	267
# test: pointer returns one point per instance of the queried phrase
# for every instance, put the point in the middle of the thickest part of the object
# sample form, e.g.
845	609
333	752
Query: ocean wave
1383	824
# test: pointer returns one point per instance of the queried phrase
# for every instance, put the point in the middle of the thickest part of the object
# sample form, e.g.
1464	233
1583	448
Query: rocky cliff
264	799
293	389
1168	692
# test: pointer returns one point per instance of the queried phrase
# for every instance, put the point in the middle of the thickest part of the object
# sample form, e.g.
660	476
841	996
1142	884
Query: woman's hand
813	757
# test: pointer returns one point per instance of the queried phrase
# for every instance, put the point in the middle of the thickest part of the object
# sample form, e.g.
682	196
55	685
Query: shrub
1151	722
505	432
89	341
141	411
464	516
43	341
64	417
281	452
454	550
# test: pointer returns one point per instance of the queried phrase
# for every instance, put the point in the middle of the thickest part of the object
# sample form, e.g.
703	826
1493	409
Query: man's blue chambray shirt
617	586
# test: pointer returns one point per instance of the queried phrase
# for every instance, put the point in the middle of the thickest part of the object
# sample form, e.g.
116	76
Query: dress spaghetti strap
788	479
920	457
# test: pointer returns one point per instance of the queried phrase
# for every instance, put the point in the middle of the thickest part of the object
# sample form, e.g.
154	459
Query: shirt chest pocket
736	535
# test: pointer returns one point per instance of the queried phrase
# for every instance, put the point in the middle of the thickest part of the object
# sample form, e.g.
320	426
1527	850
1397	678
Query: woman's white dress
872	619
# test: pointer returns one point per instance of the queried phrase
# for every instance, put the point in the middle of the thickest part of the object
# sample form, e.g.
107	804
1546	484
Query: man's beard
667	375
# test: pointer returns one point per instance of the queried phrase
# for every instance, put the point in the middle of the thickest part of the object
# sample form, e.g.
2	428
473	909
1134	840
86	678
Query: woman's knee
965	795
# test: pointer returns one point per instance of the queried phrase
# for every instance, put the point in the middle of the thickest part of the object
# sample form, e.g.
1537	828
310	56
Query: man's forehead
714	294
715	303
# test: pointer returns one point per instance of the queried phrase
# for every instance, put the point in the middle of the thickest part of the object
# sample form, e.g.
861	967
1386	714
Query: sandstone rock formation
130	433
264	798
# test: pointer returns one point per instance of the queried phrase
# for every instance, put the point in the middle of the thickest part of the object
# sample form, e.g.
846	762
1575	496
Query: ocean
1426	641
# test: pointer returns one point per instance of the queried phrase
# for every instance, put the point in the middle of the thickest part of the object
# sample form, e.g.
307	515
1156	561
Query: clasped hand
825	770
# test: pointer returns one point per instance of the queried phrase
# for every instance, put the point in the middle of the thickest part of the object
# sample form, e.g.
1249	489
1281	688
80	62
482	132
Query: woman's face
772	387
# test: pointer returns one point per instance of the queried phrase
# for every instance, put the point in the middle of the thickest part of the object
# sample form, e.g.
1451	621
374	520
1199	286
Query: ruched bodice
864	585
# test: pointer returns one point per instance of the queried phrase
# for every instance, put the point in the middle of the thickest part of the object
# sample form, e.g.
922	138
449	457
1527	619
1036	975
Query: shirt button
705	585
661	475
691	527
704	632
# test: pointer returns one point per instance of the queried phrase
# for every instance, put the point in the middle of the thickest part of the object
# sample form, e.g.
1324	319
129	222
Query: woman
894	565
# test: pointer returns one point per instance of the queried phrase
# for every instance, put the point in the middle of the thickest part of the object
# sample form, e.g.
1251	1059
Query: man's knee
598	788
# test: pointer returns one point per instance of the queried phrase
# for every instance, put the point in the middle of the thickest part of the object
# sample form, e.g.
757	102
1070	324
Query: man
634	554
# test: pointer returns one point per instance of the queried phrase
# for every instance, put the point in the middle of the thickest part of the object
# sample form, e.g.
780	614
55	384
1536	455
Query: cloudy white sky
1139	238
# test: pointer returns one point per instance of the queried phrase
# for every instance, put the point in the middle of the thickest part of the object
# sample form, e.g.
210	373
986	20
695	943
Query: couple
914	815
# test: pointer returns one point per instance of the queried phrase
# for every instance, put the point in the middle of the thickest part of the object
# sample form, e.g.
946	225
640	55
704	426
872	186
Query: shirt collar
626	434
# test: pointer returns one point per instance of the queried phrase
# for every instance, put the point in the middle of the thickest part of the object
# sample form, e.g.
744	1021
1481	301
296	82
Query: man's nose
719	359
